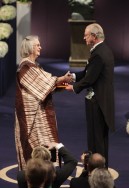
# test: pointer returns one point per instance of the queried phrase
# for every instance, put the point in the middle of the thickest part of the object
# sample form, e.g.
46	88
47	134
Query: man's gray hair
101	177
97	30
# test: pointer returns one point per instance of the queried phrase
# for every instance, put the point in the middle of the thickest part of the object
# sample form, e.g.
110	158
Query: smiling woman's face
36	48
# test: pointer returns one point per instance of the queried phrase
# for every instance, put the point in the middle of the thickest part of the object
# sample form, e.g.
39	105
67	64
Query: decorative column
82	14
23	24
80	52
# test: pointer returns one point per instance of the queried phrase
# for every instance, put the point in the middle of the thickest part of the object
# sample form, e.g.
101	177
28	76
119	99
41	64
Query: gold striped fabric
35	116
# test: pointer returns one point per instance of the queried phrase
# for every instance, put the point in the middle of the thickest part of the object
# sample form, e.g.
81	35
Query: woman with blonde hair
35	115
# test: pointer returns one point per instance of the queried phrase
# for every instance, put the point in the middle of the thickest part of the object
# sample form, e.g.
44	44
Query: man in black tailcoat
97	78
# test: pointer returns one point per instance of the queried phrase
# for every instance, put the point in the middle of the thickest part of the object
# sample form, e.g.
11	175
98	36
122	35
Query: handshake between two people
64	81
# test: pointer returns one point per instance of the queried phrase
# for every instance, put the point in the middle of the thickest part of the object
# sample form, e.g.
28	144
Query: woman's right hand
64	80
68	77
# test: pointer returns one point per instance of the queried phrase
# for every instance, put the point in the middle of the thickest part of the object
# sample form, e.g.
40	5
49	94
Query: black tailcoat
98	74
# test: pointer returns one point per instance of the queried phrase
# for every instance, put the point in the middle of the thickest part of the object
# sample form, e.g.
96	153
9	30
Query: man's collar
95	46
